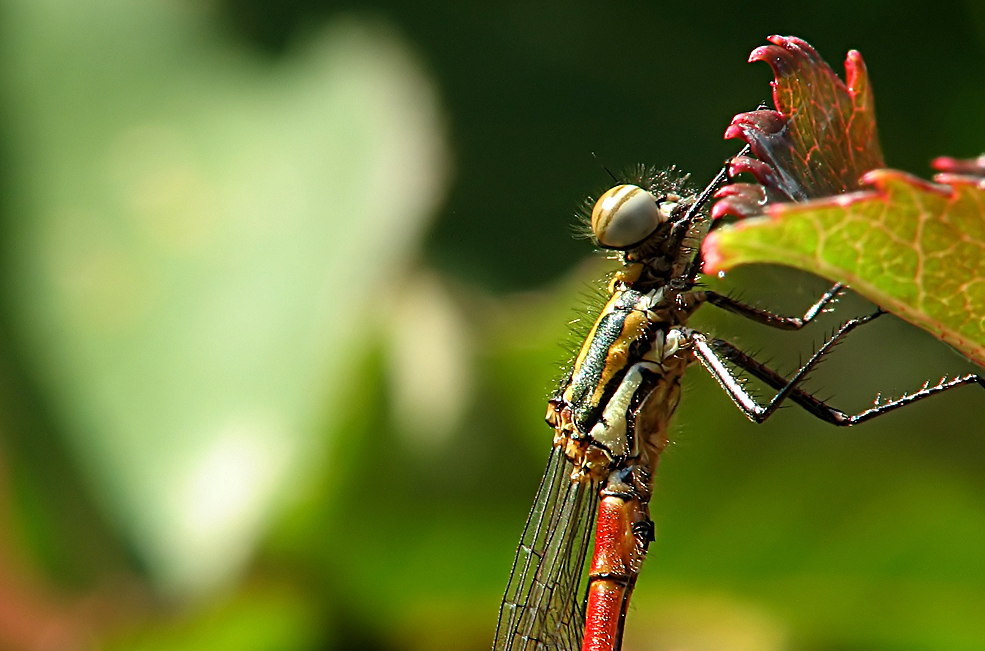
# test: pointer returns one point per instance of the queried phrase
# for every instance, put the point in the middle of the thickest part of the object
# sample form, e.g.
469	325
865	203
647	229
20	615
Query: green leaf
915	248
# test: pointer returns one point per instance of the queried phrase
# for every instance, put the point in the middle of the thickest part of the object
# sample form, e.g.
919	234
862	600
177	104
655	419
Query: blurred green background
285	286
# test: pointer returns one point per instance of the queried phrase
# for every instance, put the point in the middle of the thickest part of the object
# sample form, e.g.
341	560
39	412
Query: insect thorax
605	411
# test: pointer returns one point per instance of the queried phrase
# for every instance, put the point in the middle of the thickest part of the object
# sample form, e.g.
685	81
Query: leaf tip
882	180
959	179
741	200
972	167
761	53
855	72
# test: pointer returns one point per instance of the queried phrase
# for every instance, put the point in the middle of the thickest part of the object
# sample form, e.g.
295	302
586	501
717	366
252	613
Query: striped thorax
631	349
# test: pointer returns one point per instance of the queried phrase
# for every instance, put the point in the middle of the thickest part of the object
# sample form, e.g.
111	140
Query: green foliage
261	618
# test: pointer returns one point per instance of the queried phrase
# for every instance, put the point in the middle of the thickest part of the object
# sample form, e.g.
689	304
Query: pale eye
624	216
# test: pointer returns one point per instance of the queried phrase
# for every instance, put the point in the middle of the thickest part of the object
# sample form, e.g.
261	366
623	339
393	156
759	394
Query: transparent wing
542	609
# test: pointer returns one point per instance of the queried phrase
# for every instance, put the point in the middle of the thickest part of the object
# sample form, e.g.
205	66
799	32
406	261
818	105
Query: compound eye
624	216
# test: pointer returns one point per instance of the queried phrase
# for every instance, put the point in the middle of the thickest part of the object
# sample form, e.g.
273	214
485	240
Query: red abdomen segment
619	553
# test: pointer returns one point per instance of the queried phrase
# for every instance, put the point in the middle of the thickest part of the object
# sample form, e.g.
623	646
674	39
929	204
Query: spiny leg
706	354
768	318
728	352
821	409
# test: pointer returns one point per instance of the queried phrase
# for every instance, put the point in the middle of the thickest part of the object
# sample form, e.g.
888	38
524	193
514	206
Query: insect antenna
695	209
683	227
606	168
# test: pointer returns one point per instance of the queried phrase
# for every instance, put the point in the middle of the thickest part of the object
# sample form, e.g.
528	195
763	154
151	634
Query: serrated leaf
818	142
915	248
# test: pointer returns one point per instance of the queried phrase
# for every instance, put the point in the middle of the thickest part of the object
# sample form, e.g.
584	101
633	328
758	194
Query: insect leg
715	365
821	409
768	318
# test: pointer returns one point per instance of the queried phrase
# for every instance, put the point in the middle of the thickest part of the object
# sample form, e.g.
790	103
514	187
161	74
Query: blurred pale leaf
196	237
429	358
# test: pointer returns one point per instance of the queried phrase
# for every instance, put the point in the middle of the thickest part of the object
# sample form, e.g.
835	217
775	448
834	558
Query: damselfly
610	417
